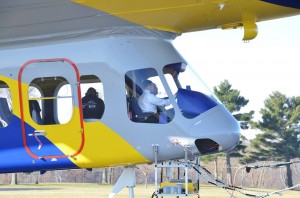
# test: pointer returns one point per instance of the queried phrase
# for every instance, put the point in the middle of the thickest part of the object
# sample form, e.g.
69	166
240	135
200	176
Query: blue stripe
286	3
14	157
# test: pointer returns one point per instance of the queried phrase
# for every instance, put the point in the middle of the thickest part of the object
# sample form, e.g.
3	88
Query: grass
102	191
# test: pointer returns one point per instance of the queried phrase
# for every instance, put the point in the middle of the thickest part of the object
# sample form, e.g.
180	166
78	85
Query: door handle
38	133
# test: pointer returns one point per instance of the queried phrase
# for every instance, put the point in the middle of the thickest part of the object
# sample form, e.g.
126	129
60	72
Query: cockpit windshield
192	95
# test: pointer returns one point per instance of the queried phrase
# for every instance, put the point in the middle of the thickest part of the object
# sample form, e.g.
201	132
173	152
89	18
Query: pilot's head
91	91
149	85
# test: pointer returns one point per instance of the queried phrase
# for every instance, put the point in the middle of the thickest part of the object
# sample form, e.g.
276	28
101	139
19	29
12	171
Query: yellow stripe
106	148
103	146
49	98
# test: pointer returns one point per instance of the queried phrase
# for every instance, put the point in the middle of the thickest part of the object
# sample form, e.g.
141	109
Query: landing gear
180	187
127	179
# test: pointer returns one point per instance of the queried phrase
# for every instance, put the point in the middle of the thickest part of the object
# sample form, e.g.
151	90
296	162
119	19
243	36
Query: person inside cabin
148	101
93	106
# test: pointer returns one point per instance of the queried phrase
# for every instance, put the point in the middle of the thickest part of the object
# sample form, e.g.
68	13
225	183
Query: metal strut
155	151
174	187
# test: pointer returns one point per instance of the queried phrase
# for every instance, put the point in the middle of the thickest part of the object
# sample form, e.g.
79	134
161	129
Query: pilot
148	101
93	106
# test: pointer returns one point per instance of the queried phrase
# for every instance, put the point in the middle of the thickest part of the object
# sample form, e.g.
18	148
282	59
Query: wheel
154	195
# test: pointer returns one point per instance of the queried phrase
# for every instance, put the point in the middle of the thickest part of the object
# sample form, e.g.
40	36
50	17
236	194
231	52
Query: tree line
279	139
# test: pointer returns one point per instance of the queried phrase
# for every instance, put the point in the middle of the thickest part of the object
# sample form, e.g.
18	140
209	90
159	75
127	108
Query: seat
35	111
5	112
137	114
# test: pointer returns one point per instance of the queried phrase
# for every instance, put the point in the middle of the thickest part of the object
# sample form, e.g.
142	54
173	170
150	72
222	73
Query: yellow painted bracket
250	31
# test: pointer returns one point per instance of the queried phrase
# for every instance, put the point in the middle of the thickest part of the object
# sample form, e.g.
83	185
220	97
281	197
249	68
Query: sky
270	62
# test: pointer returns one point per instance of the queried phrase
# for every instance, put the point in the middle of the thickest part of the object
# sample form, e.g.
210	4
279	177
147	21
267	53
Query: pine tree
280	128
234	102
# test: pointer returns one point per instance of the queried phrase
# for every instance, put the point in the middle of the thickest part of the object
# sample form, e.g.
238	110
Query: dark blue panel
193	103
286	3
14	157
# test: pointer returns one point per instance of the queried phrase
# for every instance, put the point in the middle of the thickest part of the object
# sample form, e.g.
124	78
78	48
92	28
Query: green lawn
102	191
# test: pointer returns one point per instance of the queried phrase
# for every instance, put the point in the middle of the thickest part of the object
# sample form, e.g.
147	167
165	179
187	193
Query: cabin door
51	108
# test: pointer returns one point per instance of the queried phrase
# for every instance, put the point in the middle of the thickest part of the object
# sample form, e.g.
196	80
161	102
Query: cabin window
5	105
92	98
191	94
142	109
50	100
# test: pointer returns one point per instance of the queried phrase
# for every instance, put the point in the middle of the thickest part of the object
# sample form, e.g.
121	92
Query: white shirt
148	102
